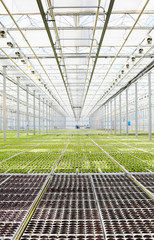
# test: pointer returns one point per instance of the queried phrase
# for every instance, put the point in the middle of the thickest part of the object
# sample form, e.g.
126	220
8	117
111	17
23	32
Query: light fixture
127	65
140	50
10	44
17	53
133	58
23	61
2	34
149	40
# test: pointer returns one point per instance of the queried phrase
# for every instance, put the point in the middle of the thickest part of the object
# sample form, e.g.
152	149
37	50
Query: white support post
108	118
46	116
126	111
4	103
27	110
49	118
18	109
150	107
111	116
34	112
115	116
136	111
39	115
43	115
105	117
120	113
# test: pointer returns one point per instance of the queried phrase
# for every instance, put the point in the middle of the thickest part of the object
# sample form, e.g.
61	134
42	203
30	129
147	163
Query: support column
105	117
39	115
111	116
27	114
115	130
43	116
150	106
120	113
18	109
49	118
34	112
46	116
53	117
136	111
126	111
108	117
4	103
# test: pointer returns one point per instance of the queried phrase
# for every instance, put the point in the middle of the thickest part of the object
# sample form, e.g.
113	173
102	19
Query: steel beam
98	50
80	55
136	111
4	104
82	13
18	109
72	28
150	106
43	15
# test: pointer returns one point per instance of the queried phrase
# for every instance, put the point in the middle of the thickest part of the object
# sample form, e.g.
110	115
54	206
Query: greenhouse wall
107	117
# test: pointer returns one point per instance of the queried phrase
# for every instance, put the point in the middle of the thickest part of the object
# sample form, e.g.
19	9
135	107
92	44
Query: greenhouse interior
76	120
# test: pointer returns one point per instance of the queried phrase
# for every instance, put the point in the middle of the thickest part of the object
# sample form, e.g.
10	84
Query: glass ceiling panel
62	69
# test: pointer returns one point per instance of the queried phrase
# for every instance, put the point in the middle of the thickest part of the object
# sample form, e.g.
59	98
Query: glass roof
72	65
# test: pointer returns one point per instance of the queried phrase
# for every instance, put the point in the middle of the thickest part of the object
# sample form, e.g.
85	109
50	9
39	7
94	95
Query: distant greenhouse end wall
71	123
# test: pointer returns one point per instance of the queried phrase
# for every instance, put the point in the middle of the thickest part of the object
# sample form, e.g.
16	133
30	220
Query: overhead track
52	45
59	43
98	50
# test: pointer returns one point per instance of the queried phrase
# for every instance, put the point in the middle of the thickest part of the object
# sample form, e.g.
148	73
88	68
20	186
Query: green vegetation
39	154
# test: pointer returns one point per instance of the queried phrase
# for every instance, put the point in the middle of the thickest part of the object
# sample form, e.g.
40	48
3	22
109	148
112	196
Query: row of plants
81	155
132	158
86	162
40	159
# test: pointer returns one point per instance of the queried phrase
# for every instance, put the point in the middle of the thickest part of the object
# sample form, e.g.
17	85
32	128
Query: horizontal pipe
81	56
81	28
83	13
